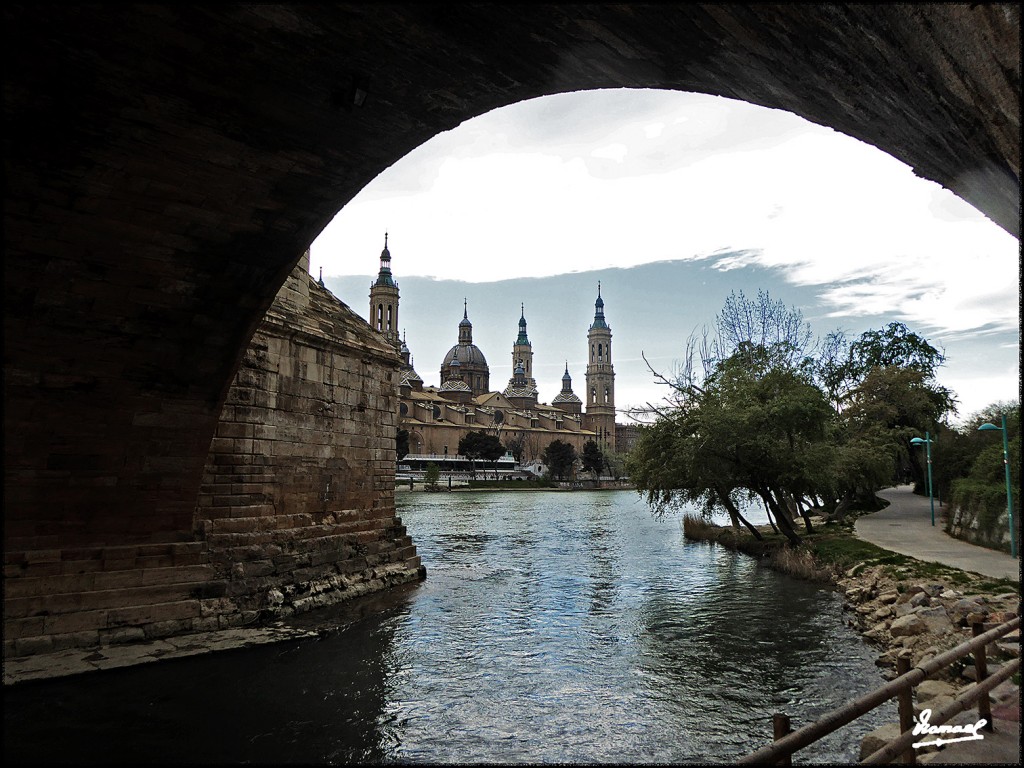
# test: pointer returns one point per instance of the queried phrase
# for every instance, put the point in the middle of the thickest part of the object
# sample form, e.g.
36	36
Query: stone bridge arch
167	165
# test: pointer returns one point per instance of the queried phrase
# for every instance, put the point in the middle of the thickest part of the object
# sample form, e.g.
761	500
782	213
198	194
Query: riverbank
898	604
516	486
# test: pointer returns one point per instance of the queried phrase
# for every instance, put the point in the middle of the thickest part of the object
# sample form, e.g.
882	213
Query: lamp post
927	442
1009	491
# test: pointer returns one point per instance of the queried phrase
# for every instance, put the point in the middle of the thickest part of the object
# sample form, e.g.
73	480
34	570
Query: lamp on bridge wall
1009	490
927	443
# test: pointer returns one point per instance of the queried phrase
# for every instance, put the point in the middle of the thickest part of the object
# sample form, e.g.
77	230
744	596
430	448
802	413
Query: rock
971	673
928	690
902	609
975	618
959	611
911	624
879	738
882	613
888	598
933	589
1001	617
920	599
950	594
936	618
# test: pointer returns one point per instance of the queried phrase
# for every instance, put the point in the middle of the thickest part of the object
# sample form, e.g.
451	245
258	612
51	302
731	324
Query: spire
465	327
599	321
566	378
522	338
384	276
321	280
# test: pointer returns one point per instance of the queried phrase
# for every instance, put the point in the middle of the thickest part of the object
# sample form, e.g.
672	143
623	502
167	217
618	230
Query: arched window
593	395
606	394
380	317
591	353
389	317
599	354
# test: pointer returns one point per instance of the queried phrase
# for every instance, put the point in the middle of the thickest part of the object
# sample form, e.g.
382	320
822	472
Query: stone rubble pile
926	619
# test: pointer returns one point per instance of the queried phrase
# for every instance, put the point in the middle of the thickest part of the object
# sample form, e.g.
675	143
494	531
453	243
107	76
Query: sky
585	182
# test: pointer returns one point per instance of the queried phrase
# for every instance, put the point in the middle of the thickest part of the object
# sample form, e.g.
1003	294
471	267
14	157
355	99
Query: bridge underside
166	166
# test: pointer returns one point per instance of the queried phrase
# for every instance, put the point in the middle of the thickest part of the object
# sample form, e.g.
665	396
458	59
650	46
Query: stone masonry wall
297	500
296	507
967	524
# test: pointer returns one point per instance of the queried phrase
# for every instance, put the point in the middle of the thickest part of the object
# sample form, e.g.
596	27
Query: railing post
780	728
981	668
905	700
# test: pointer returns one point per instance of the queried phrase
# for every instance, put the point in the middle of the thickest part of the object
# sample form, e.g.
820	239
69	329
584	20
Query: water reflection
552	627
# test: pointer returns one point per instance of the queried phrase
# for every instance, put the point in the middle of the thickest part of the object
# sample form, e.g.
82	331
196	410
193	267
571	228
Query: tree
983	489
777	416
755	428
760	324
480	445
516	444
559	458
431	476
592	458
904	403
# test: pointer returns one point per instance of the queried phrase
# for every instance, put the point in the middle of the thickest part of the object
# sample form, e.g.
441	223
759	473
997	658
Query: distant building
437	417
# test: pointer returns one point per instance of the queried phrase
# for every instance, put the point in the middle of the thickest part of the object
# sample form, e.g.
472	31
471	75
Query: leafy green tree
905	403
756	428
894	346
592	458
480	445
983	489
431	476
780	417
559	457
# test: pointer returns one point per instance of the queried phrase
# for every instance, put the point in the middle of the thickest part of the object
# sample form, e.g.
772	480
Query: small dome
526	391
565	397
410	377
455	385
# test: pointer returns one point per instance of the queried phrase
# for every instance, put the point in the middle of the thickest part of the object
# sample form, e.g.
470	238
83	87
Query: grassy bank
833	551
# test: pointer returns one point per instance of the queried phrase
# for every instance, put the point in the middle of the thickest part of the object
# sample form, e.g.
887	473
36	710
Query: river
553	627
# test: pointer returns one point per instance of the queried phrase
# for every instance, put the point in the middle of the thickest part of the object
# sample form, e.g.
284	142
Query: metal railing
787	742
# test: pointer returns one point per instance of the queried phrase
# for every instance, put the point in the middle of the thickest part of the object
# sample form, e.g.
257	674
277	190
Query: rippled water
552	627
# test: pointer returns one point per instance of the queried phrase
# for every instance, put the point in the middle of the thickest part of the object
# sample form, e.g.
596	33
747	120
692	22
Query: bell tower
600	395
522	351
384	300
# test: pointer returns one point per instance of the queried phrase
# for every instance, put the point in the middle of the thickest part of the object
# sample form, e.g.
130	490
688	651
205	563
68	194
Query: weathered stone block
910	624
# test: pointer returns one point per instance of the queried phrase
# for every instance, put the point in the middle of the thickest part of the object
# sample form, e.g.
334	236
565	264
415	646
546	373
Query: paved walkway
905	527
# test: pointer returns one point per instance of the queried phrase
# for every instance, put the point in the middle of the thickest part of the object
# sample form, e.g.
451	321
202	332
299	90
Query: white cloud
597	179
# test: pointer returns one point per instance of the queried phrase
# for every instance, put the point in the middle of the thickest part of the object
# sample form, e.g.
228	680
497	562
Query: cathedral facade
436	417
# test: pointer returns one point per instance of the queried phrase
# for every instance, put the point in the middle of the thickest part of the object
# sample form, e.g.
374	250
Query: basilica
437	417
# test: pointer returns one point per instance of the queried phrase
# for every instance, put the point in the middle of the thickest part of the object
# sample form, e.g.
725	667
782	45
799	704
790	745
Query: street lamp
1009	492
927	443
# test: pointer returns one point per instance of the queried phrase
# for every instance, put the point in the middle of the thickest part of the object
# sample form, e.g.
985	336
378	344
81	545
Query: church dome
468	354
